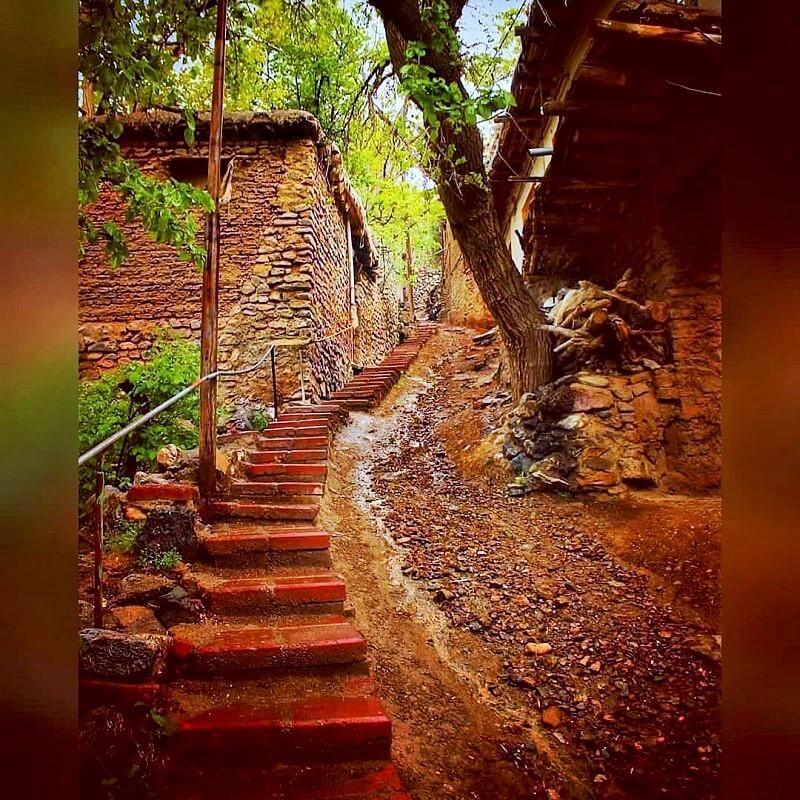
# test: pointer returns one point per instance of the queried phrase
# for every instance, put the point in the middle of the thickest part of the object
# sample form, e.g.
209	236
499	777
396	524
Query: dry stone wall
462	303
378	301
284	274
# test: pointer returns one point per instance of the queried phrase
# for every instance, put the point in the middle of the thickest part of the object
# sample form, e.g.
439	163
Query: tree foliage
322	56
127	54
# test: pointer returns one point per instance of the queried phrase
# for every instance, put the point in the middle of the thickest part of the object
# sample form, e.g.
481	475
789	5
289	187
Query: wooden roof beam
655	33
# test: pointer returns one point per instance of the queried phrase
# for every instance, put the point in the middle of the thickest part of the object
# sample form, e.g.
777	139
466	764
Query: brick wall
462	303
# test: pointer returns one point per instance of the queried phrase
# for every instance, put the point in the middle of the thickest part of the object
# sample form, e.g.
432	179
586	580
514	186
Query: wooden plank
655	33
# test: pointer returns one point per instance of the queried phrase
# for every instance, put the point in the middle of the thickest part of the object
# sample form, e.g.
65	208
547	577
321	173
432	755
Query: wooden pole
410	277
209	324
97	588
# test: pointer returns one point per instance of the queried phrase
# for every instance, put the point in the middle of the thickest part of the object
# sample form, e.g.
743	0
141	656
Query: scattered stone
593	380
176	608
136	619
122	656
589	398
168	529
538	648
486	338
133	514
139	588
552	717
168	457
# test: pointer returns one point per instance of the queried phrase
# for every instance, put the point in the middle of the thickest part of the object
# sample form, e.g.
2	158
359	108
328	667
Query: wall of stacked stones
427	288
267	250
329	360
688	391
462	303
378	299
284	278
659	427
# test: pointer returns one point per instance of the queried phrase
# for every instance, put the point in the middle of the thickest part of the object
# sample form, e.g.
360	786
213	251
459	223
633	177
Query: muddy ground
526	647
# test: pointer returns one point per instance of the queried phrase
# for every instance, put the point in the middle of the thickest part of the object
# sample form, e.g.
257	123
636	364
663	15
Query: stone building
298	263
462	303
609	162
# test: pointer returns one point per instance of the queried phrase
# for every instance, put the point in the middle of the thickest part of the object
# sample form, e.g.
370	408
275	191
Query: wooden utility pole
209	325
410	278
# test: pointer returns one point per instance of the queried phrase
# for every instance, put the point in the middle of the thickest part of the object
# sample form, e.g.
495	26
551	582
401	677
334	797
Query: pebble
538	648
552	717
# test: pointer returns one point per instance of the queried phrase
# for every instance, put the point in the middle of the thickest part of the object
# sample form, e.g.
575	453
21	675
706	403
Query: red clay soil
528	647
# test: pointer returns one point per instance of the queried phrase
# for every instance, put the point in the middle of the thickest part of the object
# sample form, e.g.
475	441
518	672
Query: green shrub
109	403
259	420
160	562
122	538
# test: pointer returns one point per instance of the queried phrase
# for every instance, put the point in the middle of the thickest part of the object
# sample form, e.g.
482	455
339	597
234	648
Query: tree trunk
463	185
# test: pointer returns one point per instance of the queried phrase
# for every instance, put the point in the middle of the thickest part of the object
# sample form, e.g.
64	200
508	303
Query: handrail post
97	589
209	321
302	378
274	384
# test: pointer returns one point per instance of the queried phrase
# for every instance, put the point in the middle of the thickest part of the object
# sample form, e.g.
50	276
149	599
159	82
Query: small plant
259	420
160	562
123	537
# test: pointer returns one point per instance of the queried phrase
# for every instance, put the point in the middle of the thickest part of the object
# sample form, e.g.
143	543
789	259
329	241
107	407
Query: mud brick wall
462	303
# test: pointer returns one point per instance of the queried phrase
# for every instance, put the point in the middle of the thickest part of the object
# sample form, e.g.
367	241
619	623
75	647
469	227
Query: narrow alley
524	646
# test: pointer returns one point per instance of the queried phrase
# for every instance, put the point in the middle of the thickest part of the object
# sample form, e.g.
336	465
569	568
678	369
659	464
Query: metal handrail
101	447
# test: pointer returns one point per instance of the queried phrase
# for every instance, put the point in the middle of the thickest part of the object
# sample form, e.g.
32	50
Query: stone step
280	430
283	489
290	456
273	593
358	404
292	442
318	730
243	543
304	471
218	649
163	491
345	779
268	511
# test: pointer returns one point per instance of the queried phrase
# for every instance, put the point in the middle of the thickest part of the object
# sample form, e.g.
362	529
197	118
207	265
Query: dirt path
454	584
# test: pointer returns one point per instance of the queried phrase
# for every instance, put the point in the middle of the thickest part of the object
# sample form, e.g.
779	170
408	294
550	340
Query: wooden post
410	278
97	588
209	324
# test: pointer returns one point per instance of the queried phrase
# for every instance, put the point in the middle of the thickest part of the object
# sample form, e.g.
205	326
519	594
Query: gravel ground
586	630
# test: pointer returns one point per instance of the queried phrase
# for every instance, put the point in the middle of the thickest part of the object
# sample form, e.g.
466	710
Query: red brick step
270	593
223	649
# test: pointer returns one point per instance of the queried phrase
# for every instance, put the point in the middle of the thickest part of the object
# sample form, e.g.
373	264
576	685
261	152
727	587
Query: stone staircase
277	685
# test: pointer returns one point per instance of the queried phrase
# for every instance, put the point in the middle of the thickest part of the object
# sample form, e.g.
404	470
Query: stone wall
659	427
427	291
284	271
462	303
378	300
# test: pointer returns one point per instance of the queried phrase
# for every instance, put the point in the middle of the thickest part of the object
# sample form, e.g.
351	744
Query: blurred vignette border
38	397
39	388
